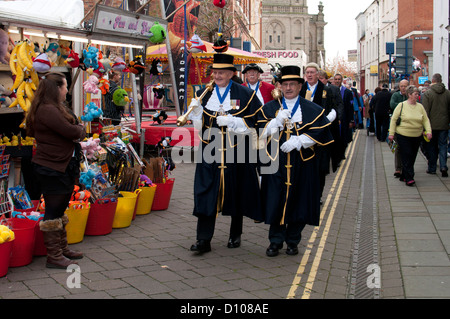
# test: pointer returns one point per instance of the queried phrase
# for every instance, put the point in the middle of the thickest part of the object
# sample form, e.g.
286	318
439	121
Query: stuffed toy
164	142
90	86
160	117
5	99
144	181
158	91
120	97
220	45
86	178
41	63
4	40
220	3
73	60
106	62
90	147
119	64
90	57
91	111
156	68
197	44
158	34
53	52
136	66
103	85
80	196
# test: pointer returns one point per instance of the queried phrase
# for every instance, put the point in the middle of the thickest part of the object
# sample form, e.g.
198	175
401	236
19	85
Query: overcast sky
340	31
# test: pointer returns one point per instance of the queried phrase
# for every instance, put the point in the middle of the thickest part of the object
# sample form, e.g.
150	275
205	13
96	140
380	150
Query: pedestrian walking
436	102
396	98
381	103
408	123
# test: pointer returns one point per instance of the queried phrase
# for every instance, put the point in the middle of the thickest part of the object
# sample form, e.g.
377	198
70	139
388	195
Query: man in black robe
226	178
291	195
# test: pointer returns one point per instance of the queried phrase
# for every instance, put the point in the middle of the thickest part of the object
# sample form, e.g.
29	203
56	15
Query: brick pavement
151	258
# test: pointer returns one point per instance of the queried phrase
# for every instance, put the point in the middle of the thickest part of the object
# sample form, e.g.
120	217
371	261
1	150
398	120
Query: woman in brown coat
56	164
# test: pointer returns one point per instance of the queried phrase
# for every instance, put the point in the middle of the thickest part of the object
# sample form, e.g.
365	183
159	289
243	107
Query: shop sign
119	22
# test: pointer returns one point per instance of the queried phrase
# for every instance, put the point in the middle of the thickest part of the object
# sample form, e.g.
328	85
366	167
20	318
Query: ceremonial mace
181	121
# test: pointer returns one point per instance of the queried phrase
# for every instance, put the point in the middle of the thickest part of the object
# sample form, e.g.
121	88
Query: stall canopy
52	13
240	56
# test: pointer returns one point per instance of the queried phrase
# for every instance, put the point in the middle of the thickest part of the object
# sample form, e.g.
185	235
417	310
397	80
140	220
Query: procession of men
298	136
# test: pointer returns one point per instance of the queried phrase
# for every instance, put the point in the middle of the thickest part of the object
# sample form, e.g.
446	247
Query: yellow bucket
125	209
78	214
145	200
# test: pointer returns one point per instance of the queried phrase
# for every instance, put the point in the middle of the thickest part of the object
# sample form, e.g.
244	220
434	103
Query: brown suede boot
51	229
71	254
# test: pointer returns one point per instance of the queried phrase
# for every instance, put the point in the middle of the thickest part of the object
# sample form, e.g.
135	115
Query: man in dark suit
315	91
347	123
381	103
336	158
223	182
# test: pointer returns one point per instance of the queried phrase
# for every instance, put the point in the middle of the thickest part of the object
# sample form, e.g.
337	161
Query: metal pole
390	66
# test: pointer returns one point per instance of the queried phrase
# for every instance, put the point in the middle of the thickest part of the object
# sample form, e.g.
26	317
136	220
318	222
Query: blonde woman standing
408	123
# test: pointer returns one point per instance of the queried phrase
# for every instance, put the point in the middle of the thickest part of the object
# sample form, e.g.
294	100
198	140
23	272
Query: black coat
237	177
302	202
381	103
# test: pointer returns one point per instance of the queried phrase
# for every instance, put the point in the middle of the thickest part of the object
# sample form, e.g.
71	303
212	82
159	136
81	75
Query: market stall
113	187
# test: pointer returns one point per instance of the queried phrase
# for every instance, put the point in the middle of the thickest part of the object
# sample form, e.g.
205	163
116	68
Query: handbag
399	119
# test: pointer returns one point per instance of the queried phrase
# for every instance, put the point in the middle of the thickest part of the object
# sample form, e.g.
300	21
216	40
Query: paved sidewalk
151	258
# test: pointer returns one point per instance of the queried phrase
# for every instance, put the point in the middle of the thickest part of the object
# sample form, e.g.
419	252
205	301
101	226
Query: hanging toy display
120	97
197	44
220	3
90	85
90	58
118	64
91	111
53	52
160	117
156	68
220	45
41	63
136	66
158	33
158	90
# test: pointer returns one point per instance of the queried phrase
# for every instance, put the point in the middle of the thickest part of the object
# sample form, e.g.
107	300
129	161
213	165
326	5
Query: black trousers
290	233
408	147
382	126
206	225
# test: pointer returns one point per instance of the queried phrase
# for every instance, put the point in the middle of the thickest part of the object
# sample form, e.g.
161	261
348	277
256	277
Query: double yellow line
340	178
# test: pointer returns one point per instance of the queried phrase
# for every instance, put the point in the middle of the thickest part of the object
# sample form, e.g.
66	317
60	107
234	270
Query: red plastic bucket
5	257
22	251
28	210
39	247
163	194
101	217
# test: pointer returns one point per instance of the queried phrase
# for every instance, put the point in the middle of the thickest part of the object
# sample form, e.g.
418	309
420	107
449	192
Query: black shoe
397	174
201	246
292	250
431	173
444	173
234	242
273	250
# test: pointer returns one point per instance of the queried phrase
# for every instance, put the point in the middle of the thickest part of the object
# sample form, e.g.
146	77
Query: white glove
294	142
282	116
197	110
224	120
331	116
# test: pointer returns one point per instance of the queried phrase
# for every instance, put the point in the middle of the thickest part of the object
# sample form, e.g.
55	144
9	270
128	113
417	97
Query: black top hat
252	66
290	73
223	61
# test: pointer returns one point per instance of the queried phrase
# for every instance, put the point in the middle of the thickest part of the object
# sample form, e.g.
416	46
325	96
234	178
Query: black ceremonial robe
301	202
231	187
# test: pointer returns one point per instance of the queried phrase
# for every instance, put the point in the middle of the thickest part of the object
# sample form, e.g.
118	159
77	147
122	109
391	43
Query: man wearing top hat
291	196
263	89
225	182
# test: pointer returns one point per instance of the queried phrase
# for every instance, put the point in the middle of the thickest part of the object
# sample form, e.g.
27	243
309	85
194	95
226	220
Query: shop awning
240	56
